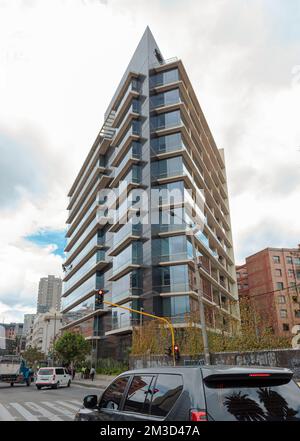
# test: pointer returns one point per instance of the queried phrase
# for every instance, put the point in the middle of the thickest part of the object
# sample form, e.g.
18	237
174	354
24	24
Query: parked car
197	393
53	377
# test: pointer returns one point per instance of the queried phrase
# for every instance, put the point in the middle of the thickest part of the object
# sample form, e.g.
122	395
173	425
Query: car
197	393
53	377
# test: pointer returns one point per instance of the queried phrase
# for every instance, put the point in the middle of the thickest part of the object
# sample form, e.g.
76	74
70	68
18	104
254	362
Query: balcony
124	236
133	156
73	265
95	263
123	108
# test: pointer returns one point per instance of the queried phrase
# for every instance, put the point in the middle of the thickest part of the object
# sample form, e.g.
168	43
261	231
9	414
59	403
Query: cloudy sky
60	62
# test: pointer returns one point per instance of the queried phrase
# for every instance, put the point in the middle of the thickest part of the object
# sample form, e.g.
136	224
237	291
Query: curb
94	385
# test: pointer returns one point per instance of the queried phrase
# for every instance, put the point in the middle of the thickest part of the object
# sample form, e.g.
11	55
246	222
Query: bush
109	366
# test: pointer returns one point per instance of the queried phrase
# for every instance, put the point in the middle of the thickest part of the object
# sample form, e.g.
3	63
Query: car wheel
38	387
28	382
56	386
69	383
11	384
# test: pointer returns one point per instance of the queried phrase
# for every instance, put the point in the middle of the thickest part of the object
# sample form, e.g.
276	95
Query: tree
71	347
33	355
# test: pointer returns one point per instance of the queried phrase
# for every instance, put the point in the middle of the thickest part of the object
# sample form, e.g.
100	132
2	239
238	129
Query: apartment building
271	279
49	294
45	328
154	138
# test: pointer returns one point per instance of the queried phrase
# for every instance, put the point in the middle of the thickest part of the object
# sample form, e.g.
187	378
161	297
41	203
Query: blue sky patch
50	237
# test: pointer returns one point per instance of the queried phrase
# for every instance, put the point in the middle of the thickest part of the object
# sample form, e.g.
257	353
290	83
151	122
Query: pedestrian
92	373
73	373
82	372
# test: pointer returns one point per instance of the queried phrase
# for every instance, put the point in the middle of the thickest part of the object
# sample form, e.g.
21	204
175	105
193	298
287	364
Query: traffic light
99	298
176	352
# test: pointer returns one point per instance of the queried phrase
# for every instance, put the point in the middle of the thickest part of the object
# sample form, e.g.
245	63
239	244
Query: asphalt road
21	403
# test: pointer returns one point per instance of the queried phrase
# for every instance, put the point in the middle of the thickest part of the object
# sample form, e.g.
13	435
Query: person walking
92	373
82	372
73	373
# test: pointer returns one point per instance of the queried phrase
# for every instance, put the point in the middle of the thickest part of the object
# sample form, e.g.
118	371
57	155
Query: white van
53	377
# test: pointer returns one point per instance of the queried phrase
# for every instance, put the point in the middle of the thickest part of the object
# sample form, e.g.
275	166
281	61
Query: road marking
59	409
79	403
5	415
71	406
27	415
36	407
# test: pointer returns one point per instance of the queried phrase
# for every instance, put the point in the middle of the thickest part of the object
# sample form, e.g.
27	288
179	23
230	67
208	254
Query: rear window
46	372
262	400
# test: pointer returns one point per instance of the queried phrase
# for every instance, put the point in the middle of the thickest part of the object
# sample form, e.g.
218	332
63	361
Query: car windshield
46	372
275	400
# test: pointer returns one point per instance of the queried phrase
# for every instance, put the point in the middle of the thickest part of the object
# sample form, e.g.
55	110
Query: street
21	403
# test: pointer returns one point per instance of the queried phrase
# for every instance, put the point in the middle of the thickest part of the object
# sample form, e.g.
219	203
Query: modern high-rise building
270	278
155	139
49	295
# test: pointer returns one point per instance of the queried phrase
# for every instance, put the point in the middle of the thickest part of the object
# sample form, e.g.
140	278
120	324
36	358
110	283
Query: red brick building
271	279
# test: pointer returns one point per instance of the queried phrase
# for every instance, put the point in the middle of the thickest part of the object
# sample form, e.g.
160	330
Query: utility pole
200	300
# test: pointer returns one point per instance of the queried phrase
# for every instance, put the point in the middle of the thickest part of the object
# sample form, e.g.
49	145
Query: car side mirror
90	401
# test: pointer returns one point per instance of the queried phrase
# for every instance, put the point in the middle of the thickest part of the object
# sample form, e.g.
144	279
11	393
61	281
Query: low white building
45	327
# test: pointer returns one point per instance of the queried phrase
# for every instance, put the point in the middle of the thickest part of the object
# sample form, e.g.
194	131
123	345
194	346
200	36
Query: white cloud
60	62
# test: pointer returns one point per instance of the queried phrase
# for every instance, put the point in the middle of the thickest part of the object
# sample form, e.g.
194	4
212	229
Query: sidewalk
100	381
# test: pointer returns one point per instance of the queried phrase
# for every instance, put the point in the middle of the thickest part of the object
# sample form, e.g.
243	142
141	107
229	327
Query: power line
276	290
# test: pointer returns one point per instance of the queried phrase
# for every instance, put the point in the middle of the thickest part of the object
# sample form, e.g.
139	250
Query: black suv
197	393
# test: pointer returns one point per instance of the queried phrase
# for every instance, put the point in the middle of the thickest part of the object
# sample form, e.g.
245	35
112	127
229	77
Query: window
139	395
166	77
163	120
297	260
165	98
255	400
111	399
278	273
166	392
297	313
167	143
283	313
289	260
59	371
285	327
291	273
281	299
276	259
279	285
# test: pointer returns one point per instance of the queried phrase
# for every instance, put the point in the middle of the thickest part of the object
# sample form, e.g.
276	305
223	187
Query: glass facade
165	98
172	279
131	255
128	285
168	143
165	120
173	248
177	307
166	77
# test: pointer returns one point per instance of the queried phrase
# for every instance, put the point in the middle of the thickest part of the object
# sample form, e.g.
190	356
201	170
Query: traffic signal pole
162	319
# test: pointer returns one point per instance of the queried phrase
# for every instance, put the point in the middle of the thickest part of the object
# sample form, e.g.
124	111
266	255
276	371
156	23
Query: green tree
71	347
33	355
